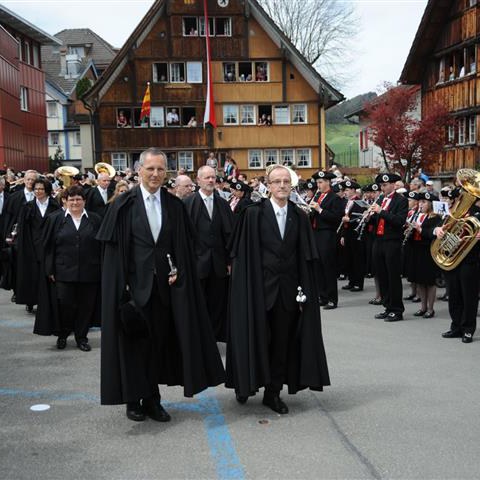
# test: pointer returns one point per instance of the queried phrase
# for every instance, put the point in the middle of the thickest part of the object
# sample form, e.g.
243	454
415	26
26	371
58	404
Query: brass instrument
103	167
460	231
66	173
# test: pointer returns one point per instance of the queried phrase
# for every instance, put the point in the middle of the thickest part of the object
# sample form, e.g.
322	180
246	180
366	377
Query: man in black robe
212	219
275	335
170	339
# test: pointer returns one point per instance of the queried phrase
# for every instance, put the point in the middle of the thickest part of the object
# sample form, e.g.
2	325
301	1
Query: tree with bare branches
322	30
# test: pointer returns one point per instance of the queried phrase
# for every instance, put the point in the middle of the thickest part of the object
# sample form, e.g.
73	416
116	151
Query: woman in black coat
72	265
30	255
426	270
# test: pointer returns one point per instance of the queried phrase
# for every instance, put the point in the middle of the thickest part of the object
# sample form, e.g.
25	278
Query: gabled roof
66	85
428	33
329	94
16	22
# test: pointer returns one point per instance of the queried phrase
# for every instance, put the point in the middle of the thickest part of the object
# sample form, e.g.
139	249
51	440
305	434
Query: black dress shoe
416	300
342	277
135	412
14	298
61	343
393	317
29	308
368	275
84	346
375	301
356	289
347	287
445	298
409	297
275	403
467	338
322	303
330	306
241	399
452	334
382	315
420	313
430	314
153	408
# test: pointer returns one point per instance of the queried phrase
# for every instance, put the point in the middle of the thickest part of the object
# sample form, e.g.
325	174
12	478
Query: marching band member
389	219
407	259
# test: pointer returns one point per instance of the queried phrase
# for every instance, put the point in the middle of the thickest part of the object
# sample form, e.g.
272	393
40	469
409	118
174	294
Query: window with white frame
157	117
160	72
53	138
76	50
119	161
20	48
211	27
223	27
177	72
247	115
24	99
304	157
282	114
185	161
52	110
472	129
36	56
299	113
271	157
194	72
230	115
461	130
451	134
27	58
255	159
77	140
190	27
287	157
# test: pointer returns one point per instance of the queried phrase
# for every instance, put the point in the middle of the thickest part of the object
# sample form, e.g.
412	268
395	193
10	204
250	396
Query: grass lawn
342	138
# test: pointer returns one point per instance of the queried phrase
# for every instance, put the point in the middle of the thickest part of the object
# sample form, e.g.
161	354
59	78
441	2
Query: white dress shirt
103	193
208	200
75	221
156	222
2	201
29	196
42	206
280	215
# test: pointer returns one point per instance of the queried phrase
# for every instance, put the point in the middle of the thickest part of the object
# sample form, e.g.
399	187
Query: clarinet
364	220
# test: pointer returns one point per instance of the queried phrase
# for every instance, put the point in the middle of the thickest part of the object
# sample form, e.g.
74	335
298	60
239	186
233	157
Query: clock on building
222	3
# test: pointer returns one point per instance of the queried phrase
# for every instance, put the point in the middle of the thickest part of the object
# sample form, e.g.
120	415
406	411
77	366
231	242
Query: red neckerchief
417	236
385	206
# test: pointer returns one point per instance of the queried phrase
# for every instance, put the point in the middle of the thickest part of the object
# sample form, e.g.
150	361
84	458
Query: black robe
193	359
247	344
30	257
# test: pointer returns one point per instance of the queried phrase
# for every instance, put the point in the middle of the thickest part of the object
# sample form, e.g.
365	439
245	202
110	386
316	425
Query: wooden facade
444	61
168	50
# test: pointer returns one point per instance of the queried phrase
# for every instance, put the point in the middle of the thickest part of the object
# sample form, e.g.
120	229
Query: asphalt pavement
403	404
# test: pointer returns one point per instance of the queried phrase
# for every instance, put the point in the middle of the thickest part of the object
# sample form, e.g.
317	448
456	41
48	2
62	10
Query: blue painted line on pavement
221	443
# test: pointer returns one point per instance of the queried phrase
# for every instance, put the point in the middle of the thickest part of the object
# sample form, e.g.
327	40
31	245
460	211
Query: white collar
204	197
102	189
146	193
84	213
277	208
41	203
25	191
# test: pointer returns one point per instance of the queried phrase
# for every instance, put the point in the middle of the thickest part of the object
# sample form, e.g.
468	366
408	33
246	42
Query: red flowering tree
407	141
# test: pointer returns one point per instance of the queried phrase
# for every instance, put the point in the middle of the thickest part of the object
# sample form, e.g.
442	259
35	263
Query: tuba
103	167
460	230
66	173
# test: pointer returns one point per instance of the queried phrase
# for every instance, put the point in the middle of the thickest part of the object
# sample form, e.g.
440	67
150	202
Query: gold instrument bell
103	167
460	231
66	173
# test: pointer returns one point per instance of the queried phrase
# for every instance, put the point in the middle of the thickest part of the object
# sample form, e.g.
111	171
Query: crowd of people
168	268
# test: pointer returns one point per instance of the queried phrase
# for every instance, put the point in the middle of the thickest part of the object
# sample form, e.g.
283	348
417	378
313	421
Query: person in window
263	120
249	78
122	120
261	75
172	117
192	123
462	72
193	32
451	75
269	121
242	77
473	65
229	77
211	161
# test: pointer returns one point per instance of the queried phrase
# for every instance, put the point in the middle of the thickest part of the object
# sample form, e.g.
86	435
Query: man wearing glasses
275	333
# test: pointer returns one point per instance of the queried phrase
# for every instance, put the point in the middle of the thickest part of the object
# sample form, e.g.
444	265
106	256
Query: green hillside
342	138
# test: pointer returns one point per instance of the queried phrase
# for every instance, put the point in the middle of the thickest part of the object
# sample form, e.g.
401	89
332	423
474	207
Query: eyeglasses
281	182
72	200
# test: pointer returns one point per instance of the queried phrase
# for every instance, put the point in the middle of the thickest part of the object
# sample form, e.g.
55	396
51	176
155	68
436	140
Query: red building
23	122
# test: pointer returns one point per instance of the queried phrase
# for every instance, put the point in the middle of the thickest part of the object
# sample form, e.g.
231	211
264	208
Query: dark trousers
325	241
77	306
280	325
355	255
145	355
387	255
215	292
462	285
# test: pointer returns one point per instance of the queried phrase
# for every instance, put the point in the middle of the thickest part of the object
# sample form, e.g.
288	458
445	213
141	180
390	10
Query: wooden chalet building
444	61
256	72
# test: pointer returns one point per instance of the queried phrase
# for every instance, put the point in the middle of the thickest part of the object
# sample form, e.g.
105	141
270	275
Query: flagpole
209	116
